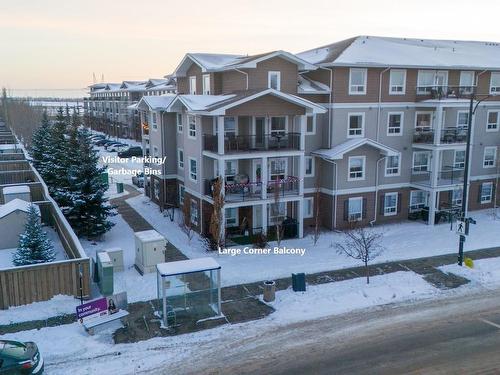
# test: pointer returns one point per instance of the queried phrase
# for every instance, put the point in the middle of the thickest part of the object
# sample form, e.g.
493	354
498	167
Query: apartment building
107	108
368	129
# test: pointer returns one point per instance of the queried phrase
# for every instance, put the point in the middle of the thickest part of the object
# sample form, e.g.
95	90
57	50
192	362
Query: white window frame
363	168
392	86
193	176
154	119
206	84
313	119
282	212
394	134
191	131
489	197
461	126
192	85
308	203
466	88
357	92
458	164
234	218
312	160
387	168
490	126
180	127
352	114
180	160
351	214
435	73
182	189
421	170
418	206
278	79
193	214
391	210
457	201
431	125
486	149
272	131
270	170
494	90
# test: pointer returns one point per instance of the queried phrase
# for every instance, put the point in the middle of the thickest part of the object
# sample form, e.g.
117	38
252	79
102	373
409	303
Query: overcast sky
60	43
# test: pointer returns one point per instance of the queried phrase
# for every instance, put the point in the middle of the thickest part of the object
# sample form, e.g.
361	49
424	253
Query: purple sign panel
93	308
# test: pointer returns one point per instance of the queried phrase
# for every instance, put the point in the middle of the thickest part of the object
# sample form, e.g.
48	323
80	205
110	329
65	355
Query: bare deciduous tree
187	226
362	244
216	220
276	211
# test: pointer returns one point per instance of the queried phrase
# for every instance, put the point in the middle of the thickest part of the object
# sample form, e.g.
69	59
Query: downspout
380	100
376	190
163	166
242	72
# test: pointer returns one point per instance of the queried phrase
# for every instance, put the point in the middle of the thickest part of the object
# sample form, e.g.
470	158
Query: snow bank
486	272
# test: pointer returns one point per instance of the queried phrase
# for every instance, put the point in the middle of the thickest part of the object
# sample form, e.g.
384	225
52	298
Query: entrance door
259	132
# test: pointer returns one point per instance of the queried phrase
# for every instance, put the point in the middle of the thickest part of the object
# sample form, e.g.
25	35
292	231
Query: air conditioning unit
150	247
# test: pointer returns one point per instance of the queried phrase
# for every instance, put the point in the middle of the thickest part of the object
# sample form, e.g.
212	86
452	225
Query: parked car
116	147
138	180
112	143
20	358
101	142
131	151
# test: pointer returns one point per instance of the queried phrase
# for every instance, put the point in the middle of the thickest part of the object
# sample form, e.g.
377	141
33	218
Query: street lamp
467	221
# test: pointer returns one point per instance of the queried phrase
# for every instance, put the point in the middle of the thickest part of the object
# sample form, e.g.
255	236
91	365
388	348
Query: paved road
452	336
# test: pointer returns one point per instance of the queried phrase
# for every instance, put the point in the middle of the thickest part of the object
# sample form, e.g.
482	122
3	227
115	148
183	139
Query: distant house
13	216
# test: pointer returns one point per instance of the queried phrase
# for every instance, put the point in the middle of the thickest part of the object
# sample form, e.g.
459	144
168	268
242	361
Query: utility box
20	192
150	247
105	273
116	256
299	282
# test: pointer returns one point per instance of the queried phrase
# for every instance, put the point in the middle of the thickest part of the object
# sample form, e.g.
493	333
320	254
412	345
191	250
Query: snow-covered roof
338	152
154	103
133	85
405	52
187	266
16	205
8	146
309	86
19	189
149	235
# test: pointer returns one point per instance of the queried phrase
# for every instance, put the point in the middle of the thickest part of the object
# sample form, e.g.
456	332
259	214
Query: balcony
246	236
246	143
447	176
443	92
448	135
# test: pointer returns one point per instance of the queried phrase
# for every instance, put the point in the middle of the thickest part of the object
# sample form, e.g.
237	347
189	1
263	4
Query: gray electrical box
105	272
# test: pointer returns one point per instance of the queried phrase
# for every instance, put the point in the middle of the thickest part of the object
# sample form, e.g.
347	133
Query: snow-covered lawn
403	240
485	273
68	348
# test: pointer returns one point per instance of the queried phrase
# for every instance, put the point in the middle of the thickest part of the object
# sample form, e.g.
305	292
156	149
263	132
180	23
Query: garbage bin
119	187
299	282
104	178
269	291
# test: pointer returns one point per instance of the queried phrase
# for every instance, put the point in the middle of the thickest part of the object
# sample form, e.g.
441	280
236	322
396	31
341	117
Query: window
397	82
180	158
495	83
463	119
466	82
274	80
423	121
418	200
193	170
231	217
392	165
394	123
310	164
420	161
355	209
277	168
390	204
456	197
192	126
192	85
206	84
179	122
308	207
229	126
181	194
278	126
459	159
356	168
490	157
230	170
493	118
356	125
429	80
311	124
194	212
155	151
486	192
276	213
357	81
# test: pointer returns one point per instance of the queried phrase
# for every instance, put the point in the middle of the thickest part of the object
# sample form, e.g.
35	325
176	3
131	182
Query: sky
55	44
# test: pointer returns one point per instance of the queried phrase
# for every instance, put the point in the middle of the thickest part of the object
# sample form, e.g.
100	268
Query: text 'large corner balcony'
245	143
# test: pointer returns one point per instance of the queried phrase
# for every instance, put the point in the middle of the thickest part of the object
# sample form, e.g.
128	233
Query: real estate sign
92	309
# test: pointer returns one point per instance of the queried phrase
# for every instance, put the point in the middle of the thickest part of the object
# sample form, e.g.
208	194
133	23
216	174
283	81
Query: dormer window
192	85
274	80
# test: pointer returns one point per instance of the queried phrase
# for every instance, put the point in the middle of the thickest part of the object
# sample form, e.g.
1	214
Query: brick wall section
187	200
474	192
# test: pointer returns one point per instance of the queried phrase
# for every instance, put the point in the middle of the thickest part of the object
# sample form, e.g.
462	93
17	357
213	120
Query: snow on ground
486	272
69	349
403	240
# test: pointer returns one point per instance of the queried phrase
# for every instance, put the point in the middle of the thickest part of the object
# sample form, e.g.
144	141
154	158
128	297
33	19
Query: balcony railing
446	176
243	143
447	136
246	236
443	92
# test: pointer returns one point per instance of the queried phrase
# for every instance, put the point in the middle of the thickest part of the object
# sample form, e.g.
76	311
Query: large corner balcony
446	136
447	176
252	191
249	143
442	92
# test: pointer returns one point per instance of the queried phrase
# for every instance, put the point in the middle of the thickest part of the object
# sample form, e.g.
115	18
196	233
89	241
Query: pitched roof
309	86
16	205
338	152
155	102
406	52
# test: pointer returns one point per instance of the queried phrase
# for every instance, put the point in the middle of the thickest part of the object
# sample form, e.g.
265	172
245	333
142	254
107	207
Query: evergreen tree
39	144
34	246
89	209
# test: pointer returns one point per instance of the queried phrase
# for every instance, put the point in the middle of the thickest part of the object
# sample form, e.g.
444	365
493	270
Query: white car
117	148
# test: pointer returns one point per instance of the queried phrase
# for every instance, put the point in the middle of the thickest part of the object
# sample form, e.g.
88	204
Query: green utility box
299	282
105	178
119	187
105	273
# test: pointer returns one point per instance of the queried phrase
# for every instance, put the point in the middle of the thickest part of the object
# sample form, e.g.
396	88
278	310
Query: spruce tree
34	246
89	209
39	145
